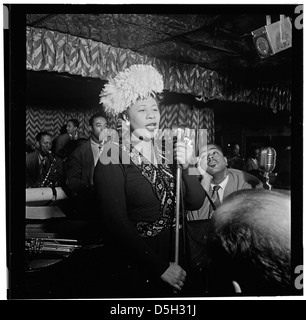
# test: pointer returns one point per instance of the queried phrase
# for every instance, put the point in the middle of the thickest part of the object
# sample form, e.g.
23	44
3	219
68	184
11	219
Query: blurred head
44	142
236	149
97	123
213	160
256	153
249	243
72	126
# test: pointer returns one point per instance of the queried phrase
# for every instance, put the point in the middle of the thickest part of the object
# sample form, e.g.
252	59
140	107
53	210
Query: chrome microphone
267	162
267	159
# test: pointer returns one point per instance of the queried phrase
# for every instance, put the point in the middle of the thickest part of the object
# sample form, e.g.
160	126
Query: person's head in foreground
249	245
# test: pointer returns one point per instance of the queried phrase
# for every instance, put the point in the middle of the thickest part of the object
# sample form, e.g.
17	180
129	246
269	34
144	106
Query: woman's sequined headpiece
139	81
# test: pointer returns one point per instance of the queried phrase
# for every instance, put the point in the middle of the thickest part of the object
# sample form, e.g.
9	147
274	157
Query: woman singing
136	189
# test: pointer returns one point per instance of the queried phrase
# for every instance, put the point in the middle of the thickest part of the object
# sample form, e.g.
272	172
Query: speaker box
273	38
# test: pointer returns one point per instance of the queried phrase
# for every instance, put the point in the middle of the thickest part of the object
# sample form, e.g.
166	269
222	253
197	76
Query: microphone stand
177	216
177	212
180	136
266	177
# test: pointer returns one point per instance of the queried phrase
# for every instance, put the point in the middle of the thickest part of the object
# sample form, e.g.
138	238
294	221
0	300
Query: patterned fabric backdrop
55	51
42	118
60	52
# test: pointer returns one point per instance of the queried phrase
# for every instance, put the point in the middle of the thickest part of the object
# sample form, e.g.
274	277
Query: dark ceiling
61	89
219	41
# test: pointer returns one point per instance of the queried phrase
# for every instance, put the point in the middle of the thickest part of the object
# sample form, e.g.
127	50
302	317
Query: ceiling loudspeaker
274	37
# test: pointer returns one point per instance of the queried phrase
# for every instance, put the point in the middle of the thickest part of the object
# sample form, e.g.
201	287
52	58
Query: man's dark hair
251	151
217	147
250	240
75	122
42	134
97	115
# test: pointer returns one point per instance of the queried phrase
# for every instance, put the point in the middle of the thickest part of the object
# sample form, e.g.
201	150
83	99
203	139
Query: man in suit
253	159
38	163
252	164
66	142
81	166
214	171
234	160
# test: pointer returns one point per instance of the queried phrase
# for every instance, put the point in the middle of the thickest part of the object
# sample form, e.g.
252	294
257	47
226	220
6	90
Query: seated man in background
43	169
66	142
252	163
81	166
249	245
234	160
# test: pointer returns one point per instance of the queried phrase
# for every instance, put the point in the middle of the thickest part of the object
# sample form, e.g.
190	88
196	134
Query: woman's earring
126	120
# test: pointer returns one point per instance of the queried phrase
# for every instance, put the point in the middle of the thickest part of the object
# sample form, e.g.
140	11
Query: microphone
267	159
178	134
267	162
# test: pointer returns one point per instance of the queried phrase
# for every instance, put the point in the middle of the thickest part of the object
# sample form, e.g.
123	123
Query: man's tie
100	148
43	168
215	199
43	165
97	156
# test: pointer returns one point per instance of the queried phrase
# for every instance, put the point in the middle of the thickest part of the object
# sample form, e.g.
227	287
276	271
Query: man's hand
202	166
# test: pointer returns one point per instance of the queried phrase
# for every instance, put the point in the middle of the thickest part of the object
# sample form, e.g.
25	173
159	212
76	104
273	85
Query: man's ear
225	159
236	286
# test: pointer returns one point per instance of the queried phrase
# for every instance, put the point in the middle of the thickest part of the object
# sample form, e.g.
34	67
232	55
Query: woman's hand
174	275
183	153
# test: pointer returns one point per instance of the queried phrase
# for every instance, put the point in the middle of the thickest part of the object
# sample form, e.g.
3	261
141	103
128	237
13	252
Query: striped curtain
55	51
42	118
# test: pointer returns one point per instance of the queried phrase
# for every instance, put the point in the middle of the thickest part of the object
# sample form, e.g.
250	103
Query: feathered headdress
139	81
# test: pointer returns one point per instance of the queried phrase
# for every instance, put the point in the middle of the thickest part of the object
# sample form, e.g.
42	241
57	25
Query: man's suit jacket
33	177
65	145
251	165
80	168
32	169
80	182
237	180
